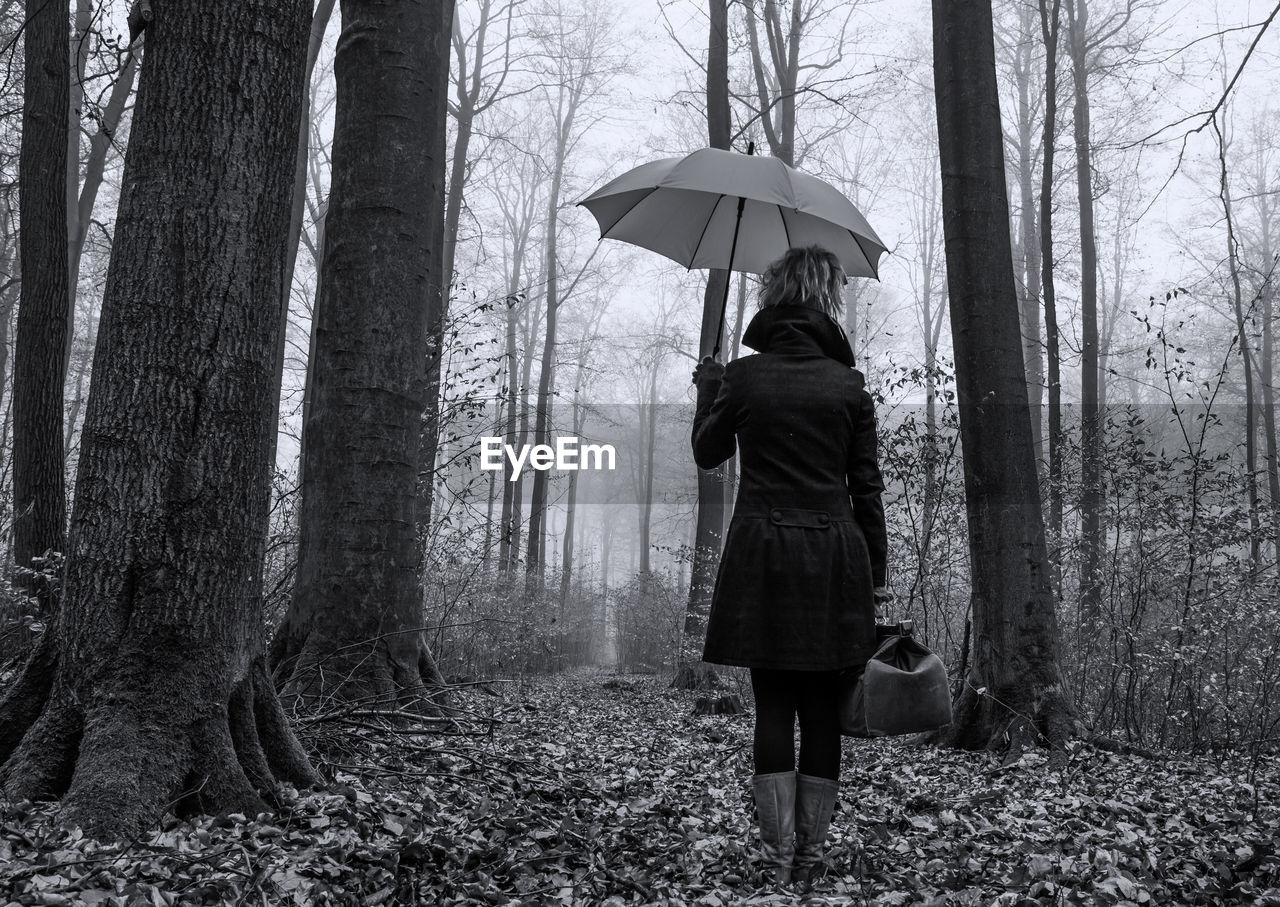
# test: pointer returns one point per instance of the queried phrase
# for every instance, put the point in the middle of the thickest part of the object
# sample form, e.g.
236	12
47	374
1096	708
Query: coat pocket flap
810	519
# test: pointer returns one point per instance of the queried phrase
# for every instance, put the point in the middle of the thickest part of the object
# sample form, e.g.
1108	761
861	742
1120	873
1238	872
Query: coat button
776	514
823	519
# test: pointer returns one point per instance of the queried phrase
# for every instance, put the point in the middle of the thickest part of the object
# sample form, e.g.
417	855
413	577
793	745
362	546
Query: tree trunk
40	351
148	689
74	112
438	278
1032	354
1049	31
1246	353
1015	630
713	503
351	630
100	146
649	431
1090	421
510	511
319	25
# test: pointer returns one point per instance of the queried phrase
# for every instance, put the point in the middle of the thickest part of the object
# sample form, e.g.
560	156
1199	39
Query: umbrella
738	212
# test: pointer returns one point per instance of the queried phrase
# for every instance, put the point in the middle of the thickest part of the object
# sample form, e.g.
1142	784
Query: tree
1014	685
40	352
576	45
783	76
1019	48
1050	26
148	690
352	629
708	532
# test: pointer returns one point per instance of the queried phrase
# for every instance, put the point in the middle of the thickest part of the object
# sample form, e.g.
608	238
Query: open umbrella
739	212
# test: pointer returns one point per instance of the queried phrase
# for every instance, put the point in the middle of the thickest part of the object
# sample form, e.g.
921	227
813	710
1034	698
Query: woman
804	562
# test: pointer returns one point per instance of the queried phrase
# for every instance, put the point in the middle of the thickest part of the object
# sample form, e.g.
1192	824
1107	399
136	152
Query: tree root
147	742
23	702
312	670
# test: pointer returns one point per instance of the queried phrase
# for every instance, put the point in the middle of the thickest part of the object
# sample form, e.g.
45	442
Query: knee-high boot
815	801
775	796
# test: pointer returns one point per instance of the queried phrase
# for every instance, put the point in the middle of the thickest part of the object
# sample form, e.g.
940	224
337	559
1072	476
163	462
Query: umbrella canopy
687	208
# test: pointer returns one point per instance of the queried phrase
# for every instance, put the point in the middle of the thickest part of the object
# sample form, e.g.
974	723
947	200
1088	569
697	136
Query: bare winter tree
148	691
1014	685
352	629
577	45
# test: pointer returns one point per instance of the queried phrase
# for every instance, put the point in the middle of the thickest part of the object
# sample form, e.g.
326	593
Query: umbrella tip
751	147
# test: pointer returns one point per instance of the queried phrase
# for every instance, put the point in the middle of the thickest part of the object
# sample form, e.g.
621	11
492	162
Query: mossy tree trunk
148	689
353	627
1013	692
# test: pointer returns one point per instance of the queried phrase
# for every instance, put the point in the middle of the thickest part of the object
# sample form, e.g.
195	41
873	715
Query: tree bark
148	687
353	630
40	350
438	278
1015	630
1032	352
1090	417
708	535
1246	351
1049	29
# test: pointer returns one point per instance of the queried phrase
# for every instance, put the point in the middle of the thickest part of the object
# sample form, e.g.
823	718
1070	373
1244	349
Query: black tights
780	697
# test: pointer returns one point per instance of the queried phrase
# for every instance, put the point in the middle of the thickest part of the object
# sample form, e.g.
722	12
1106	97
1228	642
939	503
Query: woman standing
805	558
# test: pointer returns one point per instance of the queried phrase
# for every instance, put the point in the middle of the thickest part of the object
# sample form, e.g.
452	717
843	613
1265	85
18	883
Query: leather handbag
902	690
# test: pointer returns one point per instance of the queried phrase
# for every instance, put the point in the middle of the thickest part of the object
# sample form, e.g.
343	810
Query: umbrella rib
698	244
605	232
786	231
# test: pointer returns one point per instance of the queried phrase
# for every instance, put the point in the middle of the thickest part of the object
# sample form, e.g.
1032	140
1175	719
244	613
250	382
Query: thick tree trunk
438	276
1015	629
149	686
40	351
1090	417
352	630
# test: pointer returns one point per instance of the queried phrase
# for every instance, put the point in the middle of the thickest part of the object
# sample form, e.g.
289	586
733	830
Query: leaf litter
598	790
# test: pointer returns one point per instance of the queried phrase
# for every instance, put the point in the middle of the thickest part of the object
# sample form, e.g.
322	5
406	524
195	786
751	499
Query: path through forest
603	789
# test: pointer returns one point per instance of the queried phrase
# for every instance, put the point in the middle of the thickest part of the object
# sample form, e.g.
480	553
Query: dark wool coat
807	540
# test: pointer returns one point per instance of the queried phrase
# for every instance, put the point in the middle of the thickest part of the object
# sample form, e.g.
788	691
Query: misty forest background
1142	175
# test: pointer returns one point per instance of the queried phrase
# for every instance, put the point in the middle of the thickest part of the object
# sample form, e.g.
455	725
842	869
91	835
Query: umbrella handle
724	303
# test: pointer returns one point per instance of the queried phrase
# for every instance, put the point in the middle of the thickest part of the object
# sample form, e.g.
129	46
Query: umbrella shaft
724	303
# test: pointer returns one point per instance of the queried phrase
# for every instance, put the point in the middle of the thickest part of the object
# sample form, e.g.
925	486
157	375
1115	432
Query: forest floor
598	789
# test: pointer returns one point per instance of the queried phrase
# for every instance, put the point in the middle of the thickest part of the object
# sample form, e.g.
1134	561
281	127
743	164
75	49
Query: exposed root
41	766
390	673
131	764
23	702
218	783
244	737
285	755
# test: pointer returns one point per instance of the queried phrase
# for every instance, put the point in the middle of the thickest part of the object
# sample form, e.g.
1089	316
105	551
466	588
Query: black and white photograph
690	453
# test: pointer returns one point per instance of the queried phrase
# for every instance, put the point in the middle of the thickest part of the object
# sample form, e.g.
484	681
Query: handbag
902	690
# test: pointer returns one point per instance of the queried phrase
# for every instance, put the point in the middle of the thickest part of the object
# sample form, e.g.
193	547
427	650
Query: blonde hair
808	276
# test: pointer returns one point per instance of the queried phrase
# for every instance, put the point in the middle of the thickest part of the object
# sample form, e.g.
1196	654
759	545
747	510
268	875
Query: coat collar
796	330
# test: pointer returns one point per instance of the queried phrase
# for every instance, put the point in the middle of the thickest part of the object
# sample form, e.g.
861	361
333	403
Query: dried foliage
591	792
